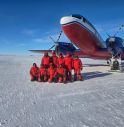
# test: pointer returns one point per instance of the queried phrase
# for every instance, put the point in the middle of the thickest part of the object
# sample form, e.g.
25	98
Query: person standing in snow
34	72
77	65
45	60
54	59
60	60
68	65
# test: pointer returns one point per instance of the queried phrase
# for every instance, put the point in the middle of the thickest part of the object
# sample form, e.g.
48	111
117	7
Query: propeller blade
108	35
52	39
119	29
51	47
59	36
122	25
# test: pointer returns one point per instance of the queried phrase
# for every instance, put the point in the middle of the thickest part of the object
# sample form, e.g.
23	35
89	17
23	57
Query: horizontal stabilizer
41	51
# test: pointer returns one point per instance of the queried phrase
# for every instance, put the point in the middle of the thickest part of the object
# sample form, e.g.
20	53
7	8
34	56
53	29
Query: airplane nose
66	20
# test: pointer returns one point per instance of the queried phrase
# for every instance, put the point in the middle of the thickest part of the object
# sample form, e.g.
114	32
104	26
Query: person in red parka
51	73
42	74
61	74
77	65
53	59
60	60
68	65
34	72
45	60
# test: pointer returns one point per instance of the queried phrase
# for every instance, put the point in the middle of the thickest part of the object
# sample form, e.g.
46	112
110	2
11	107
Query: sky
27	24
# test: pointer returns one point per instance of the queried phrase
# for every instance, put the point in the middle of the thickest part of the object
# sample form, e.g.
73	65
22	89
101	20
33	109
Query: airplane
85	37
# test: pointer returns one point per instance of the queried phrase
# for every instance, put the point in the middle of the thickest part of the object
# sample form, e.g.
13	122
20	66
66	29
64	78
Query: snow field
98	101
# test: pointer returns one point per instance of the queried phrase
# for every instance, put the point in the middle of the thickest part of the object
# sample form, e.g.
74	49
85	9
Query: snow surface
98	101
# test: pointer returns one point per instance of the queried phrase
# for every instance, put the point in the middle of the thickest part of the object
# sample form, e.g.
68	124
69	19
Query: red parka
51	71
42	71
68	62
61	70
77	64
45	61
60	61
34	71
54	60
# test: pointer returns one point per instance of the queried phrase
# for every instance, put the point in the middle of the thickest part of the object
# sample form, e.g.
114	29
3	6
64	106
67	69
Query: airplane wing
41	51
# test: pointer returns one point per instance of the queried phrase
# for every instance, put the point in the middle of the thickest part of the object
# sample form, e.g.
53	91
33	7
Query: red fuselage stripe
81	36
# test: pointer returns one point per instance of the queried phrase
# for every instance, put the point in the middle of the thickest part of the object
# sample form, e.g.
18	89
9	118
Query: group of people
57	68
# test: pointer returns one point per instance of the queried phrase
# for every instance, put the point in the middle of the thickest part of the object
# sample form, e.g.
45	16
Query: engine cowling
114	45
65	47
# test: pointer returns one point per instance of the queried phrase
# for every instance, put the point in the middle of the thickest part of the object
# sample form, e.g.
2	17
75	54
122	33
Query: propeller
120	28
56	42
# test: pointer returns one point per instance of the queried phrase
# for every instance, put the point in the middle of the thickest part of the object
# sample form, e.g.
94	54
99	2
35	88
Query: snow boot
80	77
75	77
60	79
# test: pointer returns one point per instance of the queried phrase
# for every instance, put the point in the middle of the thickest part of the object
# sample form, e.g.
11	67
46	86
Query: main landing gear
116	64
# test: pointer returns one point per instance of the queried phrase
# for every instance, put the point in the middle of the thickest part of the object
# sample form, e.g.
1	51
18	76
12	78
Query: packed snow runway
98	101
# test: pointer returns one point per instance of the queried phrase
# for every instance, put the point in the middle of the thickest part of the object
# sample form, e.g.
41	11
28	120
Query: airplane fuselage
83	34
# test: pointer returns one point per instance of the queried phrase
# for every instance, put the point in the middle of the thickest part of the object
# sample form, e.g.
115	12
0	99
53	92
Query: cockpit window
84	20
77	16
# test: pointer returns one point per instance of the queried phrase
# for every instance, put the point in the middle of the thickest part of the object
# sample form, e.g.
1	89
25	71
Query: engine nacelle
114	45
64	47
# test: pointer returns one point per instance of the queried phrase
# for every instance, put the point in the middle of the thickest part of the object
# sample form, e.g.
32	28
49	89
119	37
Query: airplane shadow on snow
96	74
93	65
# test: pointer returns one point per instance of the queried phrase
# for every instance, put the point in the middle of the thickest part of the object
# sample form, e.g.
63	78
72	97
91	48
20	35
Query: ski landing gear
116	64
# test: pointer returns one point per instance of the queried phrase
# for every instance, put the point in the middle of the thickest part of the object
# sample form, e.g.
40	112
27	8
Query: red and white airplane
83	34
